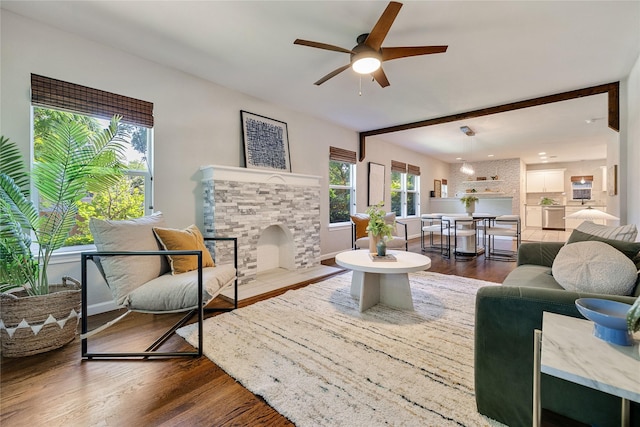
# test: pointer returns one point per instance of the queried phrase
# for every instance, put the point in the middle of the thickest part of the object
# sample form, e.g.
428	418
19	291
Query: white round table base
389	289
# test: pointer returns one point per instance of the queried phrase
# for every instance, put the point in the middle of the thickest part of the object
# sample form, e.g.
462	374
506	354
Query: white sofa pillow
126	273
595	267
626	233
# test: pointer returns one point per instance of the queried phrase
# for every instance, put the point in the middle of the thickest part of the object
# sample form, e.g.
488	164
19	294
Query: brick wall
245	209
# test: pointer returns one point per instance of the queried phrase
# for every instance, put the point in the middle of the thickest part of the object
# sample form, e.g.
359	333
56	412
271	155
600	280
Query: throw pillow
189	239
627	232
630	249
126	273
361	221
594	267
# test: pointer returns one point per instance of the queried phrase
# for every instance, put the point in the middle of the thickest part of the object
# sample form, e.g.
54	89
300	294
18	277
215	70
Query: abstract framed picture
266	142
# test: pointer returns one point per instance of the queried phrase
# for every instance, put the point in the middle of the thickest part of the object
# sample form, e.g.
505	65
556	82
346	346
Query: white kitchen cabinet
534	216
545	181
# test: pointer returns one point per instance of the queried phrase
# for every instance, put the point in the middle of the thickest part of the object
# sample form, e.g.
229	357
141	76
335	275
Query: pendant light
466	168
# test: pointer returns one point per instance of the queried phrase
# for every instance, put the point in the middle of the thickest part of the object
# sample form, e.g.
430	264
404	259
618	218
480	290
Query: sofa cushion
189	239
627	232
125	273
534	276
630	249
594	267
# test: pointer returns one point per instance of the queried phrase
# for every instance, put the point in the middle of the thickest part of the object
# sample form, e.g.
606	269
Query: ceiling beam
612	89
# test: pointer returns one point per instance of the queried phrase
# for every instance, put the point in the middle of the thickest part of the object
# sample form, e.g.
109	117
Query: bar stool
463	227
503	226
432	224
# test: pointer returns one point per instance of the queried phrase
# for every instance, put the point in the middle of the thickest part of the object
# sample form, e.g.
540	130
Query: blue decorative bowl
609	318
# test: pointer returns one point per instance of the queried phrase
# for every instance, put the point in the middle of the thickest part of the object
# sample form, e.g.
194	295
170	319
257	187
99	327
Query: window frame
404	191
147	174
351	188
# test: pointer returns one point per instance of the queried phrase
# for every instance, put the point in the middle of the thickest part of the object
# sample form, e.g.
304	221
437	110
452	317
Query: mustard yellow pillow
361	221
189	239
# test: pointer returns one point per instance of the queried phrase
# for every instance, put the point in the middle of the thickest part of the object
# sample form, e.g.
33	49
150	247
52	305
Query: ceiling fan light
365	63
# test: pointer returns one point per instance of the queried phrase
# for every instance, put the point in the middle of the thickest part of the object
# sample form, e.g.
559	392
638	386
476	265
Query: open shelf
486	180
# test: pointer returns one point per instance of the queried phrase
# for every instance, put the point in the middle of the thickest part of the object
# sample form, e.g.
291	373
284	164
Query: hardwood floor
59	389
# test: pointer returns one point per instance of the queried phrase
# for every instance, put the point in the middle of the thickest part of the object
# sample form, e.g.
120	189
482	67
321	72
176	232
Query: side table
566	348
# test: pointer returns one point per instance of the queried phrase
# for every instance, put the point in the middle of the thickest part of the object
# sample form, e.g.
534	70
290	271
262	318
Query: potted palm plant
37	316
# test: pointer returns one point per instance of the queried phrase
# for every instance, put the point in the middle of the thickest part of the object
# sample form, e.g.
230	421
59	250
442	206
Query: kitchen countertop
578	205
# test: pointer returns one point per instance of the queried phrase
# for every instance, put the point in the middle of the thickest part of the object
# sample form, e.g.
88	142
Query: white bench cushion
179	292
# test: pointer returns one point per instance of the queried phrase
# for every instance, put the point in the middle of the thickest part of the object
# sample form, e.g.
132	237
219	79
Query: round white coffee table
385	282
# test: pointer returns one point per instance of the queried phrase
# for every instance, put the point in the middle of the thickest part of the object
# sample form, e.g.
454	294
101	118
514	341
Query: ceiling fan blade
332	74
321	46
380	30
389	53
381	77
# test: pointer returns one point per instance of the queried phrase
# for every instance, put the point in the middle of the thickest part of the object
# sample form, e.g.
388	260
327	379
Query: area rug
320	362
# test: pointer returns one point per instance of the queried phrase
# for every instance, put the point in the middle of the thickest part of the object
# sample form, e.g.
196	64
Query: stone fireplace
274	215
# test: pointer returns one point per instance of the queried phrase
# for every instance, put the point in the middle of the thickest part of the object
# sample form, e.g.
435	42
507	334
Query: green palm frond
12	164
15	249
22	208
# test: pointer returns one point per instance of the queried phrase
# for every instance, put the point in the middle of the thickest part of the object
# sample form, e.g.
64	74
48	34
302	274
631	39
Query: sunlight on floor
539	235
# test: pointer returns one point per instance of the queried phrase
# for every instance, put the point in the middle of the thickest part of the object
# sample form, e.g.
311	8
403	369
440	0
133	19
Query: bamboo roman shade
413	170
580	178
341	155
398	166
52	93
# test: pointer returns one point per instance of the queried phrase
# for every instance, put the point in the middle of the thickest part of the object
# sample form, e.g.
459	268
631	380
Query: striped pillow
626	233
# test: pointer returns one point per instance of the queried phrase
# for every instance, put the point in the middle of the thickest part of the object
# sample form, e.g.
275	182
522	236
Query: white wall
630	148
197	122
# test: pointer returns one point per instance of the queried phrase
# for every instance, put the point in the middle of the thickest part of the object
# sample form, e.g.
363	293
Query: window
405	189
342	187
581	187
54	101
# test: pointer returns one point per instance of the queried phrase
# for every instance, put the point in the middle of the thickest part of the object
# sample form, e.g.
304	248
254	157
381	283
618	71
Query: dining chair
504	226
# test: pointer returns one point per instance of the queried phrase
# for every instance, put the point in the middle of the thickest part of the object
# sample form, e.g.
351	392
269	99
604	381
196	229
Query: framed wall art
266	142
437	188
376	184
612	180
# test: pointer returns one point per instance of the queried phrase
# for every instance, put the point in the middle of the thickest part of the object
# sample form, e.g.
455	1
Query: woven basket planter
36	324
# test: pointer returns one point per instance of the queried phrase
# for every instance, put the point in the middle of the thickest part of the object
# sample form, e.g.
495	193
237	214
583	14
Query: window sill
339	226
71	254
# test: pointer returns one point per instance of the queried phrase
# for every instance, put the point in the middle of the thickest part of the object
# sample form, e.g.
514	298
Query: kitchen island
496	205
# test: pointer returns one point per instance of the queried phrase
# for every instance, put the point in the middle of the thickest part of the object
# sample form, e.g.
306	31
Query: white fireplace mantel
271	212
232	173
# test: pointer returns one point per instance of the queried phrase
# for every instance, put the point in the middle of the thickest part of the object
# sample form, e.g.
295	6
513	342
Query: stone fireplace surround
274	215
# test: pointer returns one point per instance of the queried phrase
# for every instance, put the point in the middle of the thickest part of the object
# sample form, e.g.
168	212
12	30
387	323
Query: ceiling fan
367	56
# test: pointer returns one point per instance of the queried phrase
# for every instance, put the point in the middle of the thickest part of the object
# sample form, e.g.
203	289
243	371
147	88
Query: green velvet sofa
506	317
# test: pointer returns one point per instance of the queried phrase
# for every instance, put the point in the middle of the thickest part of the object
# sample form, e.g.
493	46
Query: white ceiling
499	52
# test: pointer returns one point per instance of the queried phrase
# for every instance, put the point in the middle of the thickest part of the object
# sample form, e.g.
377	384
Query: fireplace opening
275	249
